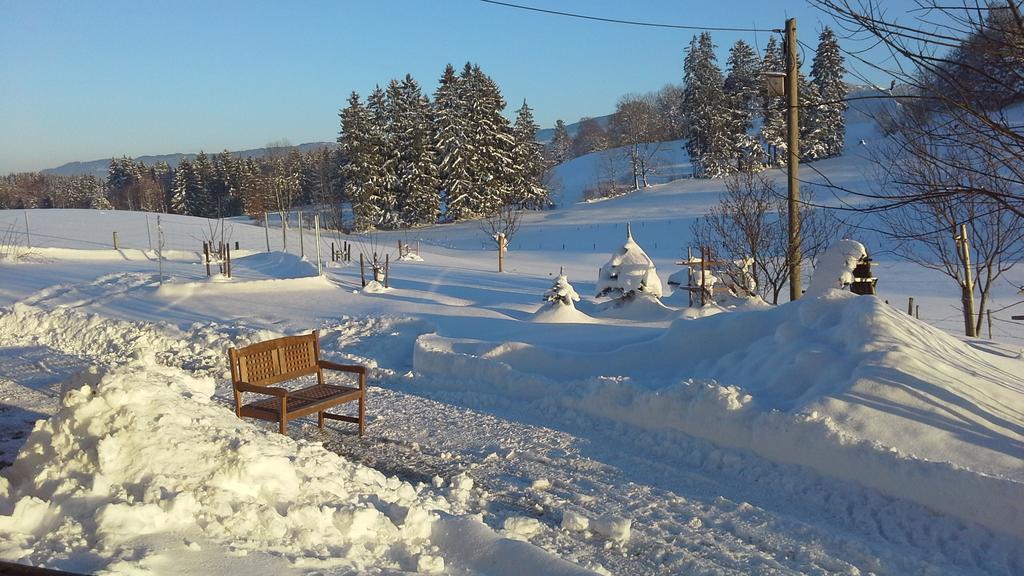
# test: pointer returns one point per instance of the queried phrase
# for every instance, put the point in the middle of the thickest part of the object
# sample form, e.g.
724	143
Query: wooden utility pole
968	285
793	153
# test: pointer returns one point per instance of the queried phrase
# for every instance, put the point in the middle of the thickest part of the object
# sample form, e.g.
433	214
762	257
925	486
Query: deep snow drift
144	468
842	384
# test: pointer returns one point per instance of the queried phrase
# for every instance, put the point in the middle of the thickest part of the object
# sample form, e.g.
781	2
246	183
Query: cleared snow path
531	468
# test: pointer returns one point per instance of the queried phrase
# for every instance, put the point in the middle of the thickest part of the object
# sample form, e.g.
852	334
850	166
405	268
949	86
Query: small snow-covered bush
562	293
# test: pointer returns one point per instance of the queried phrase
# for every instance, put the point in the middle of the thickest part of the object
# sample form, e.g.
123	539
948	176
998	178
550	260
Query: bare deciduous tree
500	227
928	226
747	232
958	64
633	126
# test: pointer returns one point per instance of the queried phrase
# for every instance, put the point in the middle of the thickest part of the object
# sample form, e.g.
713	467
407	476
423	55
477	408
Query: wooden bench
255	368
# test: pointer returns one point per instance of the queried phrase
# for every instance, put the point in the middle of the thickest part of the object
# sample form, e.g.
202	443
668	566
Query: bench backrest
276	360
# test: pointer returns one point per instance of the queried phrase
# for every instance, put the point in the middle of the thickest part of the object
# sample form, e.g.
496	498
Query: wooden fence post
206	257
362	271
115	240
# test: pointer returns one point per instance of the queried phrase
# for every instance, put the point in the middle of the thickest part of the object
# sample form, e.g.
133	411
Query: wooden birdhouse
863	282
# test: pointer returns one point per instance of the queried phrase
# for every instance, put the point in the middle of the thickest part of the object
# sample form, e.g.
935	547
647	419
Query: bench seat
254	368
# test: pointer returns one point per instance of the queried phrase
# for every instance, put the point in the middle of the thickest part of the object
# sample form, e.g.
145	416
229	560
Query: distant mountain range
99	168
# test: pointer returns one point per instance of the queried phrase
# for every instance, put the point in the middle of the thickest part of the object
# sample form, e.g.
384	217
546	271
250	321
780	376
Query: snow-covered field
832	435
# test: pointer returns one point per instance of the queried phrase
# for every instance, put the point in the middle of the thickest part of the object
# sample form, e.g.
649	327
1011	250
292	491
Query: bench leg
283	426
320	420
362	414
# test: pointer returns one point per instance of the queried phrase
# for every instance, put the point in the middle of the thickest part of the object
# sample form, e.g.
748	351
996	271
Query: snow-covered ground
836	434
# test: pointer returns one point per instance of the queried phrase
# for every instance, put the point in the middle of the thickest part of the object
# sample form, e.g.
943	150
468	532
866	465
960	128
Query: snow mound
845	385
559	314
144	471
374	287
834	270
275	265
642	307
411	257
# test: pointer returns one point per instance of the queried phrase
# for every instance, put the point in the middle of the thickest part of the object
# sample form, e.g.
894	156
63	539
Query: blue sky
81	80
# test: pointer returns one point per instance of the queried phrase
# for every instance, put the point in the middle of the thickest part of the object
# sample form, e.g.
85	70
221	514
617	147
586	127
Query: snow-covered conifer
562	293
186	198
742	86
812	130
410	155
381	192
827	71
707	139
629	272
561	143
773	108
528	190
491	170
199	202
453	145
362	163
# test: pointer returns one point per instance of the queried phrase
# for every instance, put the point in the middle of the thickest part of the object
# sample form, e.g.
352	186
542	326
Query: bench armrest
268	390
342	367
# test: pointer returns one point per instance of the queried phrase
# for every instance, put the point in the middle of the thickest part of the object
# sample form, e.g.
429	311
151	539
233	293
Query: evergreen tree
742	86
411	154
452	143
363	161
250	189
812	129
184	183
200	201
122	180
219	185
827	71
707	111
773	108
491	170
381	192
528	189
561	143
164	176
562	293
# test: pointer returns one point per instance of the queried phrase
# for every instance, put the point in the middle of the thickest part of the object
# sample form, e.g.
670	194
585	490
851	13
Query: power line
630	22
